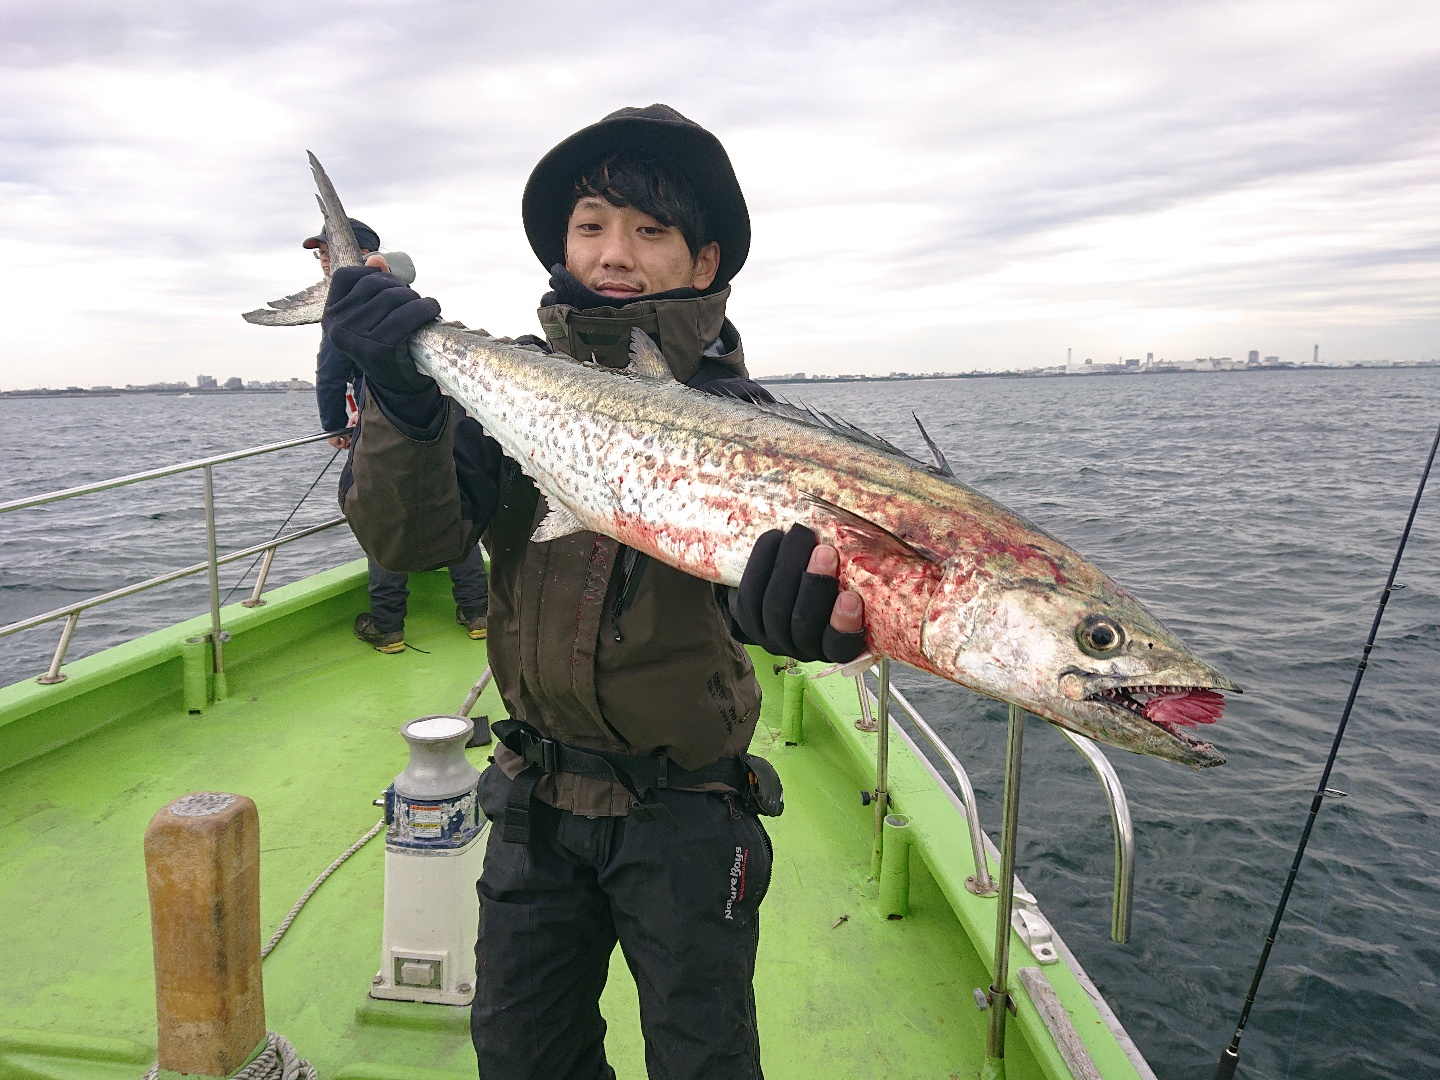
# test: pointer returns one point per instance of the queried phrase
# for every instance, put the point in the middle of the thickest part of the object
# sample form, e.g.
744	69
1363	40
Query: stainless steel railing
1123	896
982	884
1034	931
213	561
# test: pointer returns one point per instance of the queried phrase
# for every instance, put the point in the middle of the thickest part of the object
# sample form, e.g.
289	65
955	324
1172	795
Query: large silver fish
953	583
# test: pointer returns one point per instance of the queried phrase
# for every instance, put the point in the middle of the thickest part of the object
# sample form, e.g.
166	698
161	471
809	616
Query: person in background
340	395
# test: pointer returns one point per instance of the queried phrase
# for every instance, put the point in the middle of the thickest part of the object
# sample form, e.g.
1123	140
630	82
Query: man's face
620	251
322	252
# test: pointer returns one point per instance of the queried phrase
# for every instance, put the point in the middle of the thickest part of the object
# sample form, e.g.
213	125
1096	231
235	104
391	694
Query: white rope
305	896
278	1061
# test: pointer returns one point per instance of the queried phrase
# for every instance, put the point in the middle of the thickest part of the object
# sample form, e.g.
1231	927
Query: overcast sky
932	186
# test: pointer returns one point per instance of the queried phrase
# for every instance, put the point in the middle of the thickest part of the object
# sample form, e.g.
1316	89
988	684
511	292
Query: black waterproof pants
680	896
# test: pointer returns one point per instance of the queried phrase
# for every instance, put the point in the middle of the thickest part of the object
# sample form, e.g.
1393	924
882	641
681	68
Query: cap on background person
365	236
401	265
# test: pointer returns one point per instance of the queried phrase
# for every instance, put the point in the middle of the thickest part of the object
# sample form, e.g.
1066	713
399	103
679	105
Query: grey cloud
441	108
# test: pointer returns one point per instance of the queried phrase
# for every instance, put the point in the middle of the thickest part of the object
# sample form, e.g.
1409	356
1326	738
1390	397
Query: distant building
1272	361
1135	363
234	384
1254	357
205	382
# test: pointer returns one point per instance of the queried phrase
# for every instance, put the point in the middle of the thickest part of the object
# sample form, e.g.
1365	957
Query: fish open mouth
1172	709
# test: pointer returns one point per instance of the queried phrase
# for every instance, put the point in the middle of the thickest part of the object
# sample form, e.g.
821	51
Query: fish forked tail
308	305
297	309
344	249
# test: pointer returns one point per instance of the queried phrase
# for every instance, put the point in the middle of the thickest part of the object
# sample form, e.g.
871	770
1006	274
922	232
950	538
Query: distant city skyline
209	384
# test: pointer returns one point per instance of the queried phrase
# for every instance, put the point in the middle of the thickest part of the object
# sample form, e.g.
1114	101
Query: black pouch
764	794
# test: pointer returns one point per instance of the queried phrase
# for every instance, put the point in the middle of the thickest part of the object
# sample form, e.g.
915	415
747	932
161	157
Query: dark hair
648	184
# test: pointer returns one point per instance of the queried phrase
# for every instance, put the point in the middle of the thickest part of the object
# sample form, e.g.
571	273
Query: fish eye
1099	635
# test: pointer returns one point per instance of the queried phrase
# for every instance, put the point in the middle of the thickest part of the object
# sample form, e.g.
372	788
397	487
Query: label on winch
448	823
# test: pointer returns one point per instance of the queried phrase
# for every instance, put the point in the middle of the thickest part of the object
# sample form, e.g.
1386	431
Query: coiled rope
279	1061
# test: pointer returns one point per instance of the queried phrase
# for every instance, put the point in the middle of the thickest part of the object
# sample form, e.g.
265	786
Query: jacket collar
689	326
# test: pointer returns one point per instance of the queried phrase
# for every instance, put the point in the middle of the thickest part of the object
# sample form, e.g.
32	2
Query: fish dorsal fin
808	414
875	536
646	359
297	309
558	523
941	466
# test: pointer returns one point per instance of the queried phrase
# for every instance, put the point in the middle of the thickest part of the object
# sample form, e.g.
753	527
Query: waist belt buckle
543	752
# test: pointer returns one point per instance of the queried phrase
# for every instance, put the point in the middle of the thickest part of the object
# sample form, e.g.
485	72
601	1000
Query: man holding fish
624	798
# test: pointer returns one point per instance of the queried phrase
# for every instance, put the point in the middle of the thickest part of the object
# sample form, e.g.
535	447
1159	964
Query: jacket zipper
634	570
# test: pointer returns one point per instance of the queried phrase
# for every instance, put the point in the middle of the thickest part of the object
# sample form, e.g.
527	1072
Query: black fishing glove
369	316
785	609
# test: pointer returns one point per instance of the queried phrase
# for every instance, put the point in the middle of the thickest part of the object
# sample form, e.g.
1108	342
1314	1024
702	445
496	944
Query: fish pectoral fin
559	522
646	359
871	534
297	309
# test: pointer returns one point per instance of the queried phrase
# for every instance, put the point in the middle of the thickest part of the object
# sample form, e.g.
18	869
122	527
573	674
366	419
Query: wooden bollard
202	861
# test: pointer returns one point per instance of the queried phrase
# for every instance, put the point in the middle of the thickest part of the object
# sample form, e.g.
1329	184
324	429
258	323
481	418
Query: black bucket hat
659	129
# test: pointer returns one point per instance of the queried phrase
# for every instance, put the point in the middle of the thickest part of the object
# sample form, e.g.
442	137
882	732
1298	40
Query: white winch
434	848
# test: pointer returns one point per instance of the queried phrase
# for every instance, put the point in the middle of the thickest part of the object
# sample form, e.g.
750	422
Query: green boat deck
309	730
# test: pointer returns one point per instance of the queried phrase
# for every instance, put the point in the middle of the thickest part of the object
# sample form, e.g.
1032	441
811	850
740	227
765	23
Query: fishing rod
293	511
1230	1056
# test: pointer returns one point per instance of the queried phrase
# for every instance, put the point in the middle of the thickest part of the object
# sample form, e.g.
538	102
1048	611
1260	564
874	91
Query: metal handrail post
980	883
71	612
255	600
55	675
216	638
165	579
867	719
1122	901
882	766
999	996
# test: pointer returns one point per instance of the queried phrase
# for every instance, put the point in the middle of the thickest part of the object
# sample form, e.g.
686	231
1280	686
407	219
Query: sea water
1255	512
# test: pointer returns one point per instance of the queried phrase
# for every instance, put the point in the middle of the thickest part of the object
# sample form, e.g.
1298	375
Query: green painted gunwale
309	731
